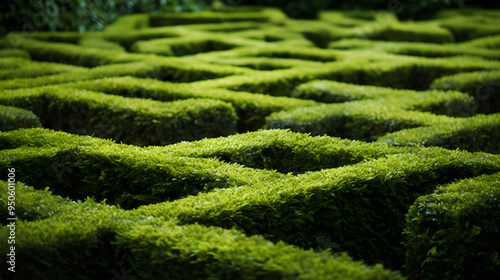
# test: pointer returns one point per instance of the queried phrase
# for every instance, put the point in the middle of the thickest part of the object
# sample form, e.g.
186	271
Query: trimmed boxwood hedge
483	86
83	240
131	120
360	208
453	233
12	118
474	134
250	108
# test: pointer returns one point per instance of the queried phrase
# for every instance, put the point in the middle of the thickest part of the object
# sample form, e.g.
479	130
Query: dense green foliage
80	15
12	118
455	227
165	117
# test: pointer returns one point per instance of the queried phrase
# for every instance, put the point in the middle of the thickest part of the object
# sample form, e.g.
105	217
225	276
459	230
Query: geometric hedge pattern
241	144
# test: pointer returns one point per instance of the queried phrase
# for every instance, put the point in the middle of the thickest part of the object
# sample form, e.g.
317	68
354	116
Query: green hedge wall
133	121
89	240
453	233
12	118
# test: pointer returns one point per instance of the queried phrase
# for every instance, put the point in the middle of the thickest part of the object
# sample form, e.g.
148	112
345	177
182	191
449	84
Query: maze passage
242	144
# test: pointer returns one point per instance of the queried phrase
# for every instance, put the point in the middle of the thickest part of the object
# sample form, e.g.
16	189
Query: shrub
474	134
12	118
452	233
357	208
483	86
135	121
83	240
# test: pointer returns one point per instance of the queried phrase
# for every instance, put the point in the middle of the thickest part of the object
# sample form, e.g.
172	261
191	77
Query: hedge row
281	150
358	208
360	120
449	103
483	86
469	24
43	137
124	175
474	134
378	183
252	109
19	68
416	48
30	204
242	13
134	121
379	25
12	118
453	233
85	240
172	69
383	70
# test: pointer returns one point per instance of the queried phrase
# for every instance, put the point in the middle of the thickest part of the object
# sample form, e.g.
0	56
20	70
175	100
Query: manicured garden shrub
453	233
281	150
438	102
12	118
14	53
358	208
134	121
360	120
416	48
113	172
469	24
75	243
30	204
31	69
483	86
198	252
250	108
42	137
85	240
474	134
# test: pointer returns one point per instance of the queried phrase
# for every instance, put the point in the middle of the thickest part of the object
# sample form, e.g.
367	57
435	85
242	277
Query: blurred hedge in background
404	9
85	15
80	15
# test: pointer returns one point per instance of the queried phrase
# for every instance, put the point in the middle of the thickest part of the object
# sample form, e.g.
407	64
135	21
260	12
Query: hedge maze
241	144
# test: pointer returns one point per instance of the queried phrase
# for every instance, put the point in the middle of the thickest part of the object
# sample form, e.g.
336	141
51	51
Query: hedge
360	120
124	175
85	240
474	134
449	103
385	70
30	204
358	208
281	150
43	137
12	118
14	53
483	86
416	48
30	69
133	121
250	108
257	14
469	24
453	233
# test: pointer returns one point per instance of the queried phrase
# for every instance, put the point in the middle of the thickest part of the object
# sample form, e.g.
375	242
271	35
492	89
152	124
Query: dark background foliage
80	15
84	15
405	9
